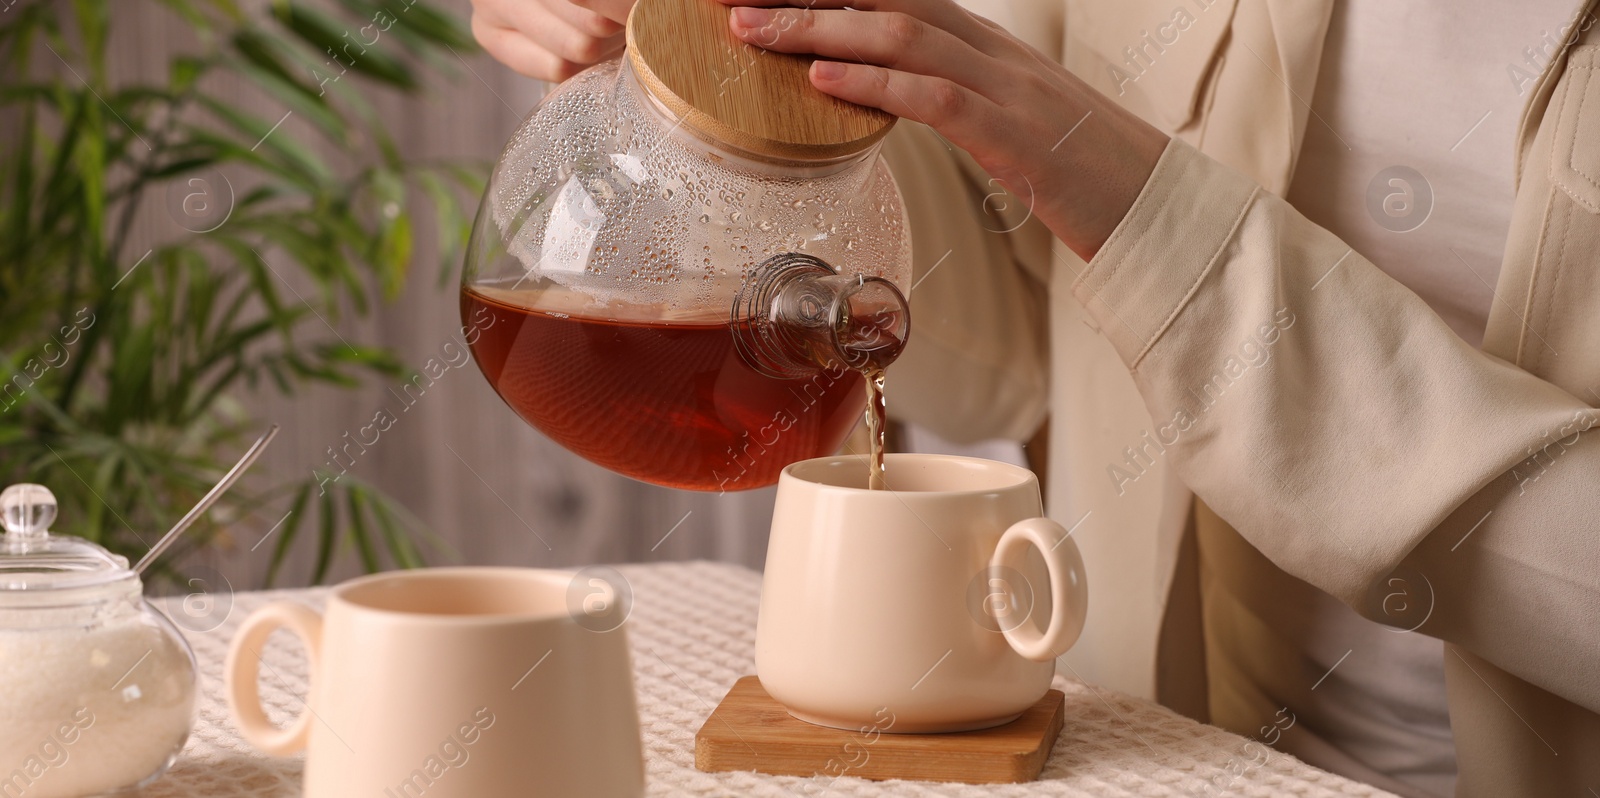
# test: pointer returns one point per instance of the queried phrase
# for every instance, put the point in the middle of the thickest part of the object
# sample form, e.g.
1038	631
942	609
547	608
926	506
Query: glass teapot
99	687
688	261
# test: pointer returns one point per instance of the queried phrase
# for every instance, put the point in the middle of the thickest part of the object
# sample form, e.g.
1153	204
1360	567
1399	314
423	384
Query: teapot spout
796	314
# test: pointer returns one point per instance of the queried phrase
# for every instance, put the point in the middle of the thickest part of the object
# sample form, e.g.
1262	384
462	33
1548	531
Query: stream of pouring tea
877	420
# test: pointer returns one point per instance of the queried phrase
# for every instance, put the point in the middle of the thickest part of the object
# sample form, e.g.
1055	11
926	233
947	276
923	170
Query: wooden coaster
751	731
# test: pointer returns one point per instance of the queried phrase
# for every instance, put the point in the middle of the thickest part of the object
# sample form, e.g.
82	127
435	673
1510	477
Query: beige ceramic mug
451	683
941	602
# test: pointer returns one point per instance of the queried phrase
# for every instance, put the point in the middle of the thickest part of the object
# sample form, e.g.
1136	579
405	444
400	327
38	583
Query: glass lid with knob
32	559
688	262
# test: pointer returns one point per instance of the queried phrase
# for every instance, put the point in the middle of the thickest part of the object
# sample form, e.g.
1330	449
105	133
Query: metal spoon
207	500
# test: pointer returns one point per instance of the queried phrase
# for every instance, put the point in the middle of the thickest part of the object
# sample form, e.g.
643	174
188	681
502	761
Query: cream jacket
1221	345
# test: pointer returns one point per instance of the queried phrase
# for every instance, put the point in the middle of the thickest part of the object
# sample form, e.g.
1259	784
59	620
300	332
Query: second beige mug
936	605
452	683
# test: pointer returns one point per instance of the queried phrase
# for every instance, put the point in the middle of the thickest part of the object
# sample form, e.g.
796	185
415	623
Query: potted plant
121	363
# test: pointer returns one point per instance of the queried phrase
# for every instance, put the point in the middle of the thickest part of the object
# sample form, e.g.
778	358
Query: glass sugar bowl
99	688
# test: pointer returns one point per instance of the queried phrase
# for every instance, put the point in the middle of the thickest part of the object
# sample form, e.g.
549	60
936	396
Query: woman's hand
1052	141
550	39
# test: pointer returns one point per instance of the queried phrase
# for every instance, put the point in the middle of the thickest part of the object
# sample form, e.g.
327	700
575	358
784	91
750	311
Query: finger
859	5
614	10
586	20
541	25
943	14
525	56
894	40
960	114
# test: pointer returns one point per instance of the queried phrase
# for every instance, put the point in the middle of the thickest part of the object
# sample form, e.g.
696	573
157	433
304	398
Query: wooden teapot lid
732	92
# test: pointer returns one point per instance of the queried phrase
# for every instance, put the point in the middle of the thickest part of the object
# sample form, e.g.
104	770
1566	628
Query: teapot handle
243	673
1069	592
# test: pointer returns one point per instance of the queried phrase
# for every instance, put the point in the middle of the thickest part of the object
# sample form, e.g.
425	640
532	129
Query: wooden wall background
492	489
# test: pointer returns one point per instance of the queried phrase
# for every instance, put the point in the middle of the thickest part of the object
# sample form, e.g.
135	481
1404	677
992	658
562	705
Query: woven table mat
692	632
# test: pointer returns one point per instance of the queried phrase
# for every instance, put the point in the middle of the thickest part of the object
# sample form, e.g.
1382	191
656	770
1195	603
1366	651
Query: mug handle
1068	589
243	672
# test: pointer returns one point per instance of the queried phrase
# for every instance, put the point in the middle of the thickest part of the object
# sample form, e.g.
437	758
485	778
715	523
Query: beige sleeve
976	364
1326	413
